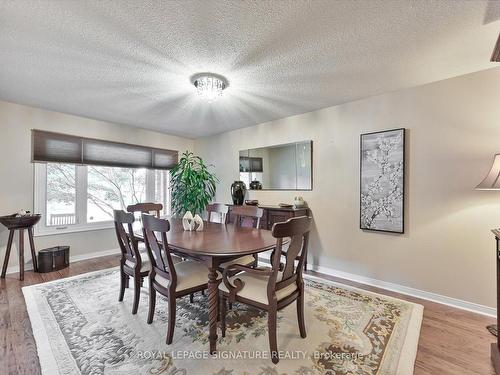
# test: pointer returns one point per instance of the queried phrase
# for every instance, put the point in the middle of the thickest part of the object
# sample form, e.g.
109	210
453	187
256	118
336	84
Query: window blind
64	148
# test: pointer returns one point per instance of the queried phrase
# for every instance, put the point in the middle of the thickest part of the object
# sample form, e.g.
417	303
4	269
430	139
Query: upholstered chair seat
190	274
246	260
146	264
255	288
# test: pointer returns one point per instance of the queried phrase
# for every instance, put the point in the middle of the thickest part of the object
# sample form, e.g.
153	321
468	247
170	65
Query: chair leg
223	311
123	284
152	303
191	298
300	315
203	292
230	305
271	327
137	294
171	319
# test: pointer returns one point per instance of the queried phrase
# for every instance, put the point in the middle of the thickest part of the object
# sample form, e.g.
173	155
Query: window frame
81	173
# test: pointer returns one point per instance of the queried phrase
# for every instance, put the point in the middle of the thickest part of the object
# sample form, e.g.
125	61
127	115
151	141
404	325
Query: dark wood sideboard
275	214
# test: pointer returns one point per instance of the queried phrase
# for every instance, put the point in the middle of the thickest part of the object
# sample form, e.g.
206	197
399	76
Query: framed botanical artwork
382	177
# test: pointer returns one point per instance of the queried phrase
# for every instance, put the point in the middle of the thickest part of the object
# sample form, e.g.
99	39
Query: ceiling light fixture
209	85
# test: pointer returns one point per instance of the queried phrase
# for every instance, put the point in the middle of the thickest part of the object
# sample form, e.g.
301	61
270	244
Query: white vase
188	221
198	223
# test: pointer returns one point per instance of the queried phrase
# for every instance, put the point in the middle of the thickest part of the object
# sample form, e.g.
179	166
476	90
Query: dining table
215	244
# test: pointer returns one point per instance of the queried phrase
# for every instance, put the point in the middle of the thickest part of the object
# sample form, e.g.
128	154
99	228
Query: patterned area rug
81	328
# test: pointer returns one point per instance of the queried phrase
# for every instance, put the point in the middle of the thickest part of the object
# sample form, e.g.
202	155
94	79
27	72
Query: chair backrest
243	214
155	235
219	208
126	239
146	208
297	229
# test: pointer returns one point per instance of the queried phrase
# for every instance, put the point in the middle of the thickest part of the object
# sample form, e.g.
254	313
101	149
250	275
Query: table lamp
492	182
492	179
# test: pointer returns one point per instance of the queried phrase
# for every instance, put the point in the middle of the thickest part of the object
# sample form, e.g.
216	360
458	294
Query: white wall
453	132
16	171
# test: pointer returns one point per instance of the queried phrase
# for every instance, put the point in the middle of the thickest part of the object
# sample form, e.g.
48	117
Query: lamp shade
492	179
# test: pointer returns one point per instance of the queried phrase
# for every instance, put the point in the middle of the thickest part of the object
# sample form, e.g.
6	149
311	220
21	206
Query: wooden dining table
214	245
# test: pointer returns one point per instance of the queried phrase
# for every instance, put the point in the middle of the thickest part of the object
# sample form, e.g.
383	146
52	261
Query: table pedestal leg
213	293
7	253
21	254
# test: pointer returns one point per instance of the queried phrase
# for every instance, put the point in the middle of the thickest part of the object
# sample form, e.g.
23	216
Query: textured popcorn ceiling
130	61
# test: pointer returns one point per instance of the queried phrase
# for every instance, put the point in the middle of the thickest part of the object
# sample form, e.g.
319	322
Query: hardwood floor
452	341
18	353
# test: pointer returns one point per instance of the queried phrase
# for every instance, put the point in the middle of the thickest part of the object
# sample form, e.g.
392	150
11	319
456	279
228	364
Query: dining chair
244	215
133	263
272	289
146	208
218	208
172	280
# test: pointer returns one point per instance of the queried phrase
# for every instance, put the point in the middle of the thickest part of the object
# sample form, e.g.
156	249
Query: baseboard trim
95	254
72	258
429	296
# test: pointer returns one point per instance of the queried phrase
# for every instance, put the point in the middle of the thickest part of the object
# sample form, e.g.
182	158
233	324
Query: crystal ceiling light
209	85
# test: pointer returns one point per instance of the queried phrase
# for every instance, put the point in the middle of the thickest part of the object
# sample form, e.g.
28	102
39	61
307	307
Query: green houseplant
192	185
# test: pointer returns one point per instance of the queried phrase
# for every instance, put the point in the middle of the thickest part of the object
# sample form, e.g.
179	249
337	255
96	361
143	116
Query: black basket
53	259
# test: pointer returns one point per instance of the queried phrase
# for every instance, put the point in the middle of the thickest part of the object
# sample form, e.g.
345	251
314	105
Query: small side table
495	347
19	223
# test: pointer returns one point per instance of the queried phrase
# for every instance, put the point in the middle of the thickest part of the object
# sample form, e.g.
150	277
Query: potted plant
192	188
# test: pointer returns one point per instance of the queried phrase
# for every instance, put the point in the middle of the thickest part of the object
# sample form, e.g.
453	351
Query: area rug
80	328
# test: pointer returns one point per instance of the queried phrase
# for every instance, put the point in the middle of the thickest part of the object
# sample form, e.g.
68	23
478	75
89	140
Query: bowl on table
15	221
252	202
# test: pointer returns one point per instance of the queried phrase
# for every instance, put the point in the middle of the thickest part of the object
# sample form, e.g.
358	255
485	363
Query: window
111	189
61	195
77	197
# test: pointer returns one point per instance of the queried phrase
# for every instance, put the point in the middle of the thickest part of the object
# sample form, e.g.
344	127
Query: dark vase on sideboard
238	190
255	185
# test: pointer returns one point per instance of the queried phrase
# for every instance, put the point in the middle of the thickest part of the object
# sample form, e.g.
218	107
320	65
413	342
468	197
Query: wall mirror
280	167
